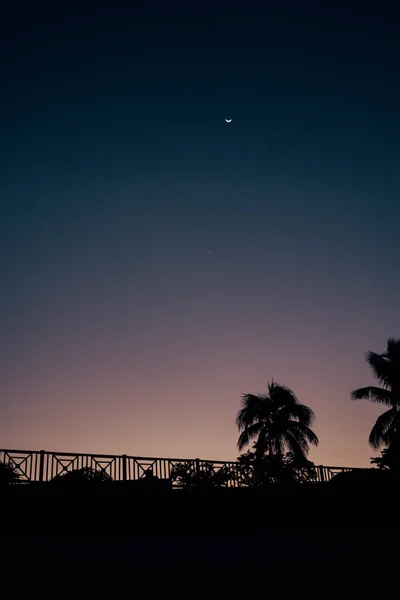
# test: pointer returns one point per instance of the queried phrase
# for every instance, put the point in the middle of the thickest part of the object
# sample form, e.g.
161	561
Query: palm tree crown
386	370
277	421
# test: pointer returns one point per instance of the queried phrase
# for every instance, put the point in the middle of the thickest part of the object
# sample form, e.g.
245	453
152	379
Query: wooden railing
40	465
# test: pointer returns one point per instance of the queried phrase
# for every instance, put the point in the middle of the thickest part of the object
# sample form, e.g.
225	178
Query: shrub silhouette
389	459
84	476
186	475
274	468
8	474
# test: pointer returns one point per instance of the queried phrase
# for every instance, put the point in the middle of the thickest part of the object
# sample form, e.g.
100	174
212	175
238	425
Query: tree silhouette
386	370
278	423
8	474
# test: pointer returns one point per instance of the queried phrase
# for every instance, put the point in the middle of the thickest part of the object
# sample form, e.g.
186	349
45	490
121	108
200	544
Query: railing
39	466
327	473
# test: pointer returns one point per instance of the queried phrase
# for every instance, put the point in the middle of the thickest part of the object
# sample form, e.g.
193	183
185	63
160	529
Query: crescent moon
228	120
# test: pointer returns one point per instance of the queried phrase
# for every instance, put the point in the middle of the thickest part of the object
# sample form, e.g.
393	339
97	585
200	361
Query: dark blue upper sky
119	176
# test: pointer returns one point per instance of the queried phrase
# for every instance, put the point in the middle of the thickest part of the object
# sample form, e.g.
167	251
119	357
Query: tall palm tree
277	421
386	370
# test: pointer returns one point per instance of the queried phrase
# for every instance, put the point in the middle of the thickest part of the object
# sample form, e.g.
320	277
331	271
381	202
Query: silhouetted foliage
389	459
277	421
386	370
186	475
86	475
8	474
275	468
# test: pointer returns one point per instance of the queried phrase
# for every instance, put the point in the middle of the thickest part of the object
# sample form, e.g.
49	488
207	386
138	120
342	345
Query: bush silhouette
84	476
186	475
389	459
274	468
8	474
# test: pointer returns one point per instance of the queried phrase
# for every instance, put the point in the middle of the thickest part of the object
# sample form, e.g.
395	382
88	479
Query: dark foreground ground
124	524
331	547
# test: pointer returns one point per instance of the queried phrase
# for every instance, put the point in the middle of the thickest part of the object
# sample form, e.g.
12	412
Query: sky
156	262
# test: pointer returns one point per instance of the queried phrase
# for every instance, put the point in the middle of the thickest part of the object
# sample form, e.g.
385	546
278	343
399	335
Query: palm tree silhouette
277	421
386	370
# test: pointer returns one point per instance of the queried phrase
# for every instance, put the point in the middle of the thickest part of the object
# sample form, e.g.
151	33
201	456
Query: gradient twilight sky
156	262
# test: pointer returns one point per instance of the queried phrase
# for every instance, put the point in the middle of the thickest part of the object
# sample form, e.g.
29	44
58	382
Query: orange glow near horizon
119	412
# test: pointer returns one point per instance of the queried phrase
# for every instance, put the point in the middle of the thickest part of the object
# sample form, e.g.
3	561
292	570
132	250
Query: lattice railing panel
25	463
58	464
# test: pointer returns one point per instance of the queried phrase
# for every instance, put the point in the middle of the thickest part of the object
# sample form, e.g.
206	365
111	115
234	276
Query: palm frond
260	445
279	445
248	434
251	410
391	434
312	437
393	344
381	367
298	446
393	350
374	394
300	412
282	394
243	440
300	430
305	414
384	422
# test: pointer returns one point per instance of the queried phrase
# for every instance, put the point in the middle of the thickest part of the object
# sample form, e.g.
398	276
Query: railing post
197	467
321	473
124	470
41	465
236	474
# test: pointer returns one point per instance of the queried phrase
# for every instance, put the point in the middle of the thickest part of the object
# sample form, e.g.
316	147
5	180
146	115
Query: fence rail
40	466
